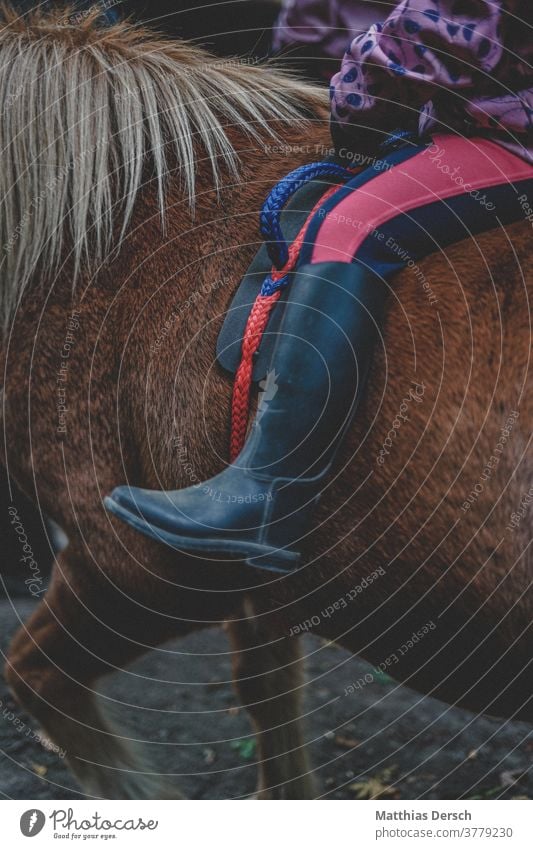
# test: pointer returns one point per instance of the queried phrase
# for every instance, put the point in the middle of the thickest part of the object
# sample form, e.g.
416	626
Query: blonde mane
85	107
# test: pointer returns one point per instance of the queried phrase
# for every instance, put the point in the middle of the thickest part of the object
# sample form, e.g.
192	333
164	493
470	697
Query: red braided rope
240	403
255	327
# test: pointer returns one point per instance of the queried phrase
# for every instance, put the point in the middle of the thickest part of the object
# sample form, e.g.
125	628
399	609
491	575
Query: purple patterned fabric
324	26
444	65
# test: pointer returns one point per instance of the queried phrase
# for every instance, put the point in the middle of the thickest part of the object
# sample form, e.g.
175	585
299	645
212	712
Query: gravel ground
387	741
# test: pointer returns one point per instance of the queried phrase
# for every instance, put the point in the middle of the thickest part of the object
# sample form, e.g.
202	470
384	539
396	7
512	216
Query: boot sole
253	553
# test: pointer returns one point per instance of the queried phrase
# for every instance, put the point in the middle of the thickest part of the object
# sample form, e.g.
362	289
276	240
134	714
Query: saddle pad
229	343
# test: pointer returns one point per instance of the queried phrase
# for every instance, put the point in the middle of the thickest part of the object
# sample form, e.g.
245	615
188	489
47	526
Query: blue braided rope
269	218
270	286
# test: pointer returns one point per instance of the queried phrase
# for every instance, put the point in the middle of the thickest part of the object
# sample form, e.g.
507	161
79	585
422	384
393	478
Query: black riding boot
260	508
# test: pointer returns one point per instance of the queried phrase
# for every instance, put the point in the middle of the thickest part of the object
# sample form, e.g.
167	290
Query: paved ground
386	740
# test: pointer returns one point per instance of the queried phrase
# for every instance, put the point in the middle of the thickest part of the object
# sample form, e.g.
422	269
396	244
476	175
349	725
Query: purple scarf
444	65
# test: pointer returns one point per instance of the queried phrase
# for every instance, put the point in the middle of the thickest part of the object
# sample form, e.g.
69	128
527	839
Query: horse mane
87	108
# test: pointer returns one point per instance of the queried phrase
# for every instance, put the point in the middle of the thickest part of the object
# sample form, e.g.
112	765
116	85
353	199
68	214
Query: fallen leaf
346	742
245	748
209	756
39	769
510	777
486	794
376	786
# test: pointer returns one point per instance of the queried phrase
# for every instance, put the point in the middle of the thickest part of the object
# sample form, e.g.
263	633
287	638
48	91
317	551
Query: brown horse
132	174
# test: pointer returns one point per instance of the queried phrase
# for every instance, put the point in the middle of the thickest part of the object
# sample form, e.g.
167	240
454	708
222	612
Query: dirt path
408	746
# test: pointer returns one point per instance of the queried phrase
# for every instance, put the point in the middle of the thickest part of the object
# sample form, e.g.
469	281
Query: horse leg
268	677
53	664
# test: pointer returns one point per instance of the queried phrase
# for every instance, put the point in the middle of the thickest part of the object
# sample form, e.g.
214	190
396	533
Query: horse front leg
53	667
268	678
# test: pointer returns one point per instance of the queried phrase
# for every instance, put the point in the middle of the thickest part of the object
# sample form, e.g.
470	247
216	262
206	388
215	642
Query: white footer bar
260	825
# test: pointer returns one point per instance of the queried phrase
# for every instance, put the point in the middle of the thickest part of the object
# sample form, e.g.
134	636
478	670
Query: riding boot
260	508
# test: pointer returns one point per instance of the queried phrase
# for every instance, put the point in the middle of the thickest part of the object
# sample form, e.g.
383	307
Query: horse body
415	531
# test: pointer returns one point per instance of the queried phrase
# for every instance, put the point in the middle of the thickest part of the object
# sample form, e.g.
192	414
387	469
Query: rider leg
259	509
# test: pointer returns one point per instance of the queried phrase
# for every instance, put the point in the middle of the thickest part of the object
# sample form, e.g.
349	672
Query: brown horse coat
423	527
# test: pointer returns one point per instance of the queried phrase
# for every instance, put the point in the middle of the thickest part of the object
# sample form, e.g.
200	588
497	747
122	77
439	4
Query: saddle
292	217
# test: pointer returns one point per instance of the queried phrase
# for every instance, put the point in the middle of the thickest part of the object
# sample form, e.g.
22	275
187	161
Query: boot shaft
331	321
